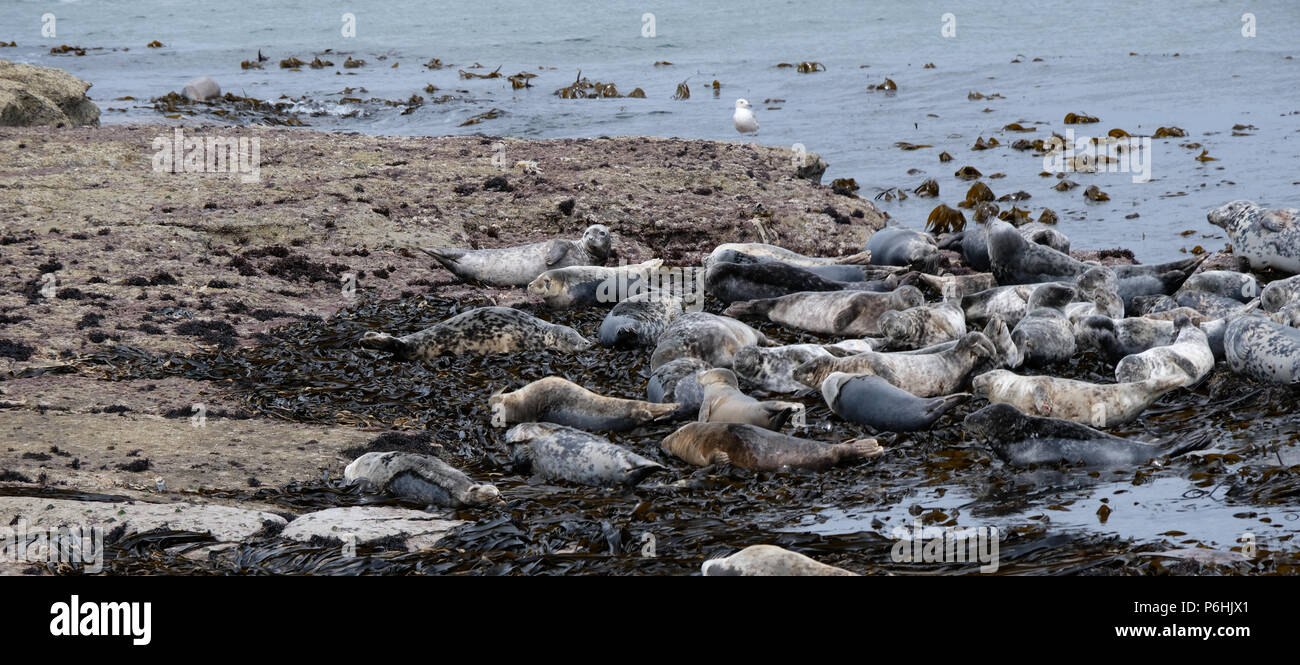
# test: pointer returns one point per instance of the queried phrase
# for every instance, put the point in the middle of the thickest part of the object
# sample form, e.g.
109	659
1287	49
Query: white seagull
744	118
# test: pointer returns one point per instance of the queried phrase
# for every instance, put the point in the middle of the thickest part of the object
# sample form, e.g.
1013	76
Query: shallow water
1247	482
1218	79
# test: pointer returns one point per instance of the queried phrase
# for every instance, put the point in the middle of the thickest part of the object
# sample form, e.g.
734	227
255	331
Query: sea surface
1135	65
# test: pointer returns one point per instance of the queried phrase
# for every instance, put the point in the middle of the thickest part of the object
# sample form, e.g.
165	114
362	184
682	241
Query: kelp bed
316	373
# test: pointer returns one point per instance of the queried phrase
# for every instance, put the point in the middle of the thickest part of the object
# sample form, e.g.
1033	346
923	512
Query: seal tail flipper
449	258
384	342
639	472
777	414
1198	441
859	449
859	259
944	403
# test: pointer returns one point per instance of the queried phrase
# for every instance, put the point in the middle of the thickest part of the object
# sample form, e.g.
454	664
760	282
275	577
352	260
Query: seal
202	89
483	330
1240	286
1279	293
709	337
957	286
730	282
1044	336
923	375
1117	338
975	245
1009	303
725	403
1101	405
751	447
1211	305
769	561
556	452
519	265
1289	315
676	382
555	400
1099	287
853	313
877	403
772	368
1018	261
835	272
918	327
1266	238
763	250
997	332
588	286
1190	357
423	478
1022	440
1147	305
1263	350
896	246
639	320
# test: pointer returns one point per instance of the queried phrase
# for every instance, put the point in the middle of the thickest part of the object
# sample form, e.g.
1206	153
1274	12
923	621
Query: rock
370	523
202	89
32	95
226	524
812	169
420	477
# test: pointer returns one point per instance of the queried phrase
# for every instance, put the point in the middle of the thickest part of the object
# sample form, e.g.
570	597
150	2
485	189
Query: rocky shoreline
183	262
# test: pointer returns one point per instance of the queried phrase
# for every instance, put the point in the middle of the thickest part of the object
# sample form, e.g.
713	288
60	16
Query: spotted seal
639	320
1240	286
519	265
752	447
834	273
1268	238
1189	355
769	561
709	337
879	404
1022	440
556	452
1044	336
772	368
1263	350
555	400
1211	305
923	375
1099	288
724	403
853	313
1009	303
917	327
484	330
1279	293
784	255
676	381
423	478
588	286
1101	405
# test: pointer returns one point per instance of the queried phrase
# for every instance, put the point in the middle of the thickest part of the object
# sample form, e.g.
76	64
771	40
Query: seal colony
913	339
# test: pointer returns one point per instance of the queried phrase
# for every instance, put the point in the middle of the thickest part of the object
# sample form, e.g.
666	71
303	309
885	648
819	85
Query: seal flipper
447	257
1269	221
845	318
1198	441
636	474
857	449
942	404
385	342
556	252
778	414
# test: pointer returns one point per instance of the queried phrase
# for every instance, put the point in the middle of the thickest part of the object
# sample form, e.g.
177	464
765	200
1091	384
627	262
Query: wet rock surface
33	95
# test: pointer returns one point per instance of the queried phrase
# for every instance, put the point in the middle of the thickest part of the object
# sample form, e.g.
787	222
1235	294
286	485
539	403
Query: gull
744	118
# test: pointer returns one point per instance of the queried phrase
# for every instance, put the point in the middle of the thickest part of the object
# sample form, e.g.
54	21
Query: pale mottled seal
1267	238
1009	303
751	447
1045	336
957	286
423	478
1212	306
482	330
202	89
1190	356
586	286
1289	315
676	381
918	327
1023	440
1102	405
769	561
730	282
786	256
896	246
772	368
1099	288
639	320
555	400
556	452
1240	286
519	265
724	403
835	273
829	312
1280	293
1263	350
709	337
873	401
923	375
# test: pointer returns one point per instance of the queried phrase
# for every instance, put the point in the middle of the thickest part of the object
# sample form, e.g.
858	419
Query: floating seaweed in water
973	96
663	63
1094	193
1047	216
1080	119
806	67
1015	216
494	74
911	146
1205	157
65	49
435	63
490	114
268	113
928	65
250	64
154	44
520	80
11	44
968	173
945	157
888	86
978	193
980	144
317	63
1118	133
1017	127
581	88
1166	132
353	64
927	189
683	91
1065	185
291	63
945	220
637	93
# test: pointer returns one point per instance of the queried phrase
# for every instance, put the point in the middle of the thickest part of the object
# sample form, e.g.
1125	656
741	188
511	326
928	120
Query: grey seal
784	255
1280	293
519	265
1267	238
556	452
483	330
923	375
423	478
896	246
1263	350
1022	440
1045	336
709	337
1240	286
724	403
730	282
676	382
772	368
555	400
639	320
751	447
1189	355
587	286
769	561
1099	404
925	325
854	313
202	89
835	273
877	403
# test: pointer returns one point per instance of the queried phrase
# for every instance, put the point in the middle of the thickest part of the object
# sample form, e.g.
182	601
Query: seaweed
1080	119
968	173
683	91
927	189
490	114
520	80
1167	132
1094	193
807	67
291	63
494	74
888	86
945	220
